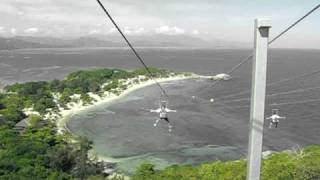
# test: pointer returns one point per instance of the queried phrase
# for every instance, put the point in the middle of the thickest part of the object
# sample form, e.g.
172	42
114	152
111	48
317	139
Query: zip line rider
274	118
163	111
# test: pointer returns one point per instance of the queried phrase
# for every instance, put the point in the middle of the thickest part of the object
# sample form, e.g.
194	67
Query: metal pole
259	71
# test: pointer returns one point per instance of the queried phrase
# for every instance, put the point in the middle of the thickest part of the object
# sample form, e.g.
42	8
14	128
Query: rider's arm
155	110
169	110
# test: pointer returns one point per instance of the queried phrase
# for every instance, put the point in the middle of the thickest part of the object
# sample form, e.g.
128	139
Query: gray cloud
222	19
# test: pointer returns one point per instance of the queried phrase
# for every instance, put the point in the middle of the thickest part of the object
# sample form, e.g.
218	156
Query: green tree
57	85
12	115
144	172
308	165
278	166
34	120
81	170
65	97
86	98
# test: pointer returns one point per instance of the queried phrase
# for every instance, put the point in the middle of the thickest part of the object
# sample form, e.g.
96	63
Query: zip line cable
231	71
217	81
295	102
283	104
270	42
276	94
295	23
234	68
273	83
132	48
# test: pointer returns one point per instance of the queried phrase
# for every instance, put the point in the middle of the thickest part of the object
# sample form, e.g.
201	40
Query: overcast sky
230	20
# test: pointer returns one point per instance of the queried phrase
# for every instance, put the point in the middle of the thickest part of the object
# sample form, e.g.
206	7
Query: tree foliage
278	166
41	154
39	95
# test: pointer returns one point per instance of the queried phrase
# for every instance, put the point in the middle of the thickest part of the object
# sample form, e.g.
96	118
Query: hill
14	43
155	40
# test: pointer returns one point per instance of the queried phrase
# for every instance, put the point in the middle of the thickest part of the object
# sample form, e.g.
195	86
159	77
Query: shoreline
61	122
65	115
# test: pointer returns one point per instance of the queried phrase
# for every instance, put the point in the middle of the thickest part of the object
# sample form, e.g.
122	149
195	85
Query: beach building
22	125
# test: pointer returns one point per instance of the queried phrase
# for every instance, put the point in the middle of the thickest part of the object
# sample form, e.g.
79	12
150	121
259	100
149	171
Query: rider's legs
169	125
156	123
271	124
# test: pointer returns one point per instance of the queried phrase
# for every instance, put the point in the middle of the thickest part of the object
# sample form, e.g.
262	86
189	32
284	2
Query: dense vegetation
41	154
303	165
40	95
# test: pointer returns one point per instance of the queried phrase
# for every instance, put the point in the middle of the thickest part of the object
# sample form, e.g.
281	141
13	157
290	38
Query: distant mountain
50	41
161	40
92	42
12	43
74	42
170	41
156	40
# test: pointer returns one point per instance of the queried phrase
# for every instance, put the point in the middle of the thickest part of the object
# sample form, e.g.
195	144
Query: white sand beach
75	108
